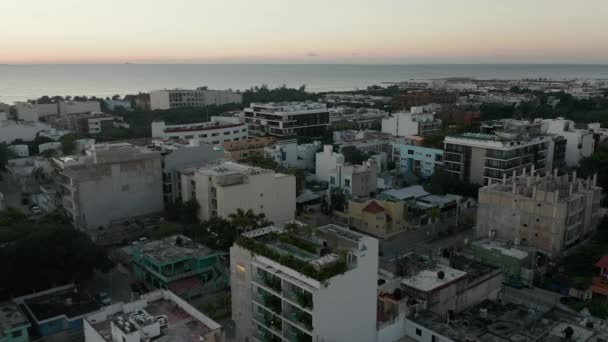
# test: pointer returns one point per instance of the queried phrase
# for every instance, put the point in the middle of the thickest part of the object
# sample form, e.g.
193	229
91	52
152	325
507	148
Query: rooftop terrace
162	315
494	322
11	317
172	248
314	252
66	300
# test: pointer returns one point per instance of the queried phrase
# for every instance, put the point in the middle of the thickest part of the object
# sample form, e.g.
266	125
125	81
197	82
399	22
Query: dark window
410	151
418	332
433	338
16	334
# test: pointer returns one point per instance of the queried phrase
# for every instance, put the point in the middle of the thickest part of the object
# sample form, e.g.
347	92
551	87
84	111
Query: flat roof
169	249
11	317
413	191
428	279
503	247
181	325
66	302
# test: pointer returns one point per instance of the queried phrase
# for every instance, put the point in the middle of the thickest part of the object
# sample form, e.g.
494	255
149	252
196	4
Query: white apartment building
110	182
287	119
26	131
27	111
289	154
580	142
188	98
179	155
217	131
222	187
355	180
327	161
329	293
548	213
413	123
161	316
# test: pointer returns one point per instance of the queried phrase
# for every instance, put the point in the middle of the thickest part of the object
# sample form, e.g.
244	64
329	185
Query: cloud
313	54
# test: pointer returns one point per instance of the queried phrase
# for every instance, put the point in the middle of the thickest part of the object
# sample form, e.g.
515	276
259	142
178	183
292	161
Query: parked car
103	299
35	210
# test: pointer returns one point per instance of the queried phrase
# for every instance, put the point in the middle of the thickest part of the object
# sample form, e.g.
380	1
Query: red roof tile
603	262
373	208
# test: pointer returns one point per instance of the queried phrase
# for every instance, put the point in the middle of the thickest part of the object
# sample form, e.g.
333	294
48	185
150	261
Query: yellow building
381	218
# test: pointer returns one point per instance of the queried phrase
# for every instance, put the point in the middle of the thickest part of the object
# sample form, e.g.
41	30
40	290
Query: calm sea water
22	82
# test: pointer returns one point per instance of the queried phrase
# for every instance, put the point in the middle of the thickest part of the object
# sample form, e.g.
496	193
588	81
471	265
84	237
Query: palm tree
243	220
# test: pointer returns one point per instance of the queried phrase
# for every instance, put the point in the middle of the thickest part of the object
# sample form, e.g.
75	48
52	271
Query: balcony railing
303	299
269	320
296	335
300	318
268	280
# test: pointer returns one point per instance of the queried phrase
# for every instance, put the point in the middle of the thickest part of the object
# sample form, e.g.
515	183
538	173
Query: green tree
5	155
244	220
68	143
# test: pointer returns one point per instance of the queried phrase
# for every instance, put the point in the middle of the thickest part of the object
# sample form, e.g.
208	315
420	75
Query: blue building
13	324
416	160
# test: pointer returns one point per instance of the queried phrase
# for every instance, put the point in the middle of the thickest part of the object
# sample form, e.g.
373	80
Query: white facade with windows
580	142
296	307
411	124
222	187
287	119
188	98
289	154
217	131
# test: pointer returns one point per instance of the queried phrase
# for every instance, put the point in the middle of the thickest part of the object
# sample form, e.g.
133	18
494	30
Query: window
332	180
16	334
203	135
214	134
216	142
235	132
433	338
125	187
347	182
227	133
410	151
418	332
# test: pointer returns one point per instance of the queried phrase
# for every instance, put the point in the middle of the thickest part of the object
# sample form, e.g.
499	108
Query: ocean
23	82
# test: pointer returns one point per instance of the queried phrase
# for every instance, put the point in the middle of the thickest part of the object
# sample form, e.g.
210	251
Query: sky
296	31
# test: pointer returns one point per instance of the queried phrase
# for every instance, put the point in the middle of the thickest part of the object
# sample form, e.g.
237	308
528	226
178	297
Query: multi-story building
420	98
304	286
287	119
413	123
78	107
246	148
222	187
187	98
218	130
326	161
110	182
547	214
98	122
357	119
159	316
13	323
179	155
580	142
416	160
17	130
366	141
355	180
290	154
187	268
499	150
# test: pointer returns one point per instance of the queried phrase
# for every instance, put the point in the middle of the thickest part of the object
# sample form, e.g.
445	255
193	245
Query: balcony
266	279
268	300
269	320
301	297
299	318
264	335
296	335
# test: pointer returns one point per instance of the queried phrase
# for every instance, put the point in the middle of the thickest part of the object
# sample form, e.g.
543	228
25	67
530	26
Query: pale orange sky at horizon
316	31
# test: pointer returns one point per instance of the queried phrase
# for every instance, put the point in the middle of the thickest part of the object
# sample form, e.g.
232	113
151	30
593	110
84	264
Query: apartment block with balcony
192	98
187	268
547	214
221	187
287	119
217	131
481	158
109	182
304	285
580	143
416	160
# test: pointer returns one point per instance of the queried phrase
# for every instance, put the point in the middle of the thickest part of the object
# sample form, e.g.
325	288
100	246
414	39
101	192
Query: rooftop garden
295	252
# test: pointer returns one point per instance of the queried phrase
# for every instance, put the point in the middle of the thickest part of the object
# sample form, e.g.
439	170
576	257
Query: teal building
416	160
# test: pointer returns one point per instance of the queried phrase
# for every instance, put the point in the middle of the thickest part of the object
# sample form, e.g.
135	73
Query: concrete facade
290	154
580	142
326	161
548	214
217	131
340	308
355	180
413	123
26	131
185	98
222	187
287	119
111	182
416	160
